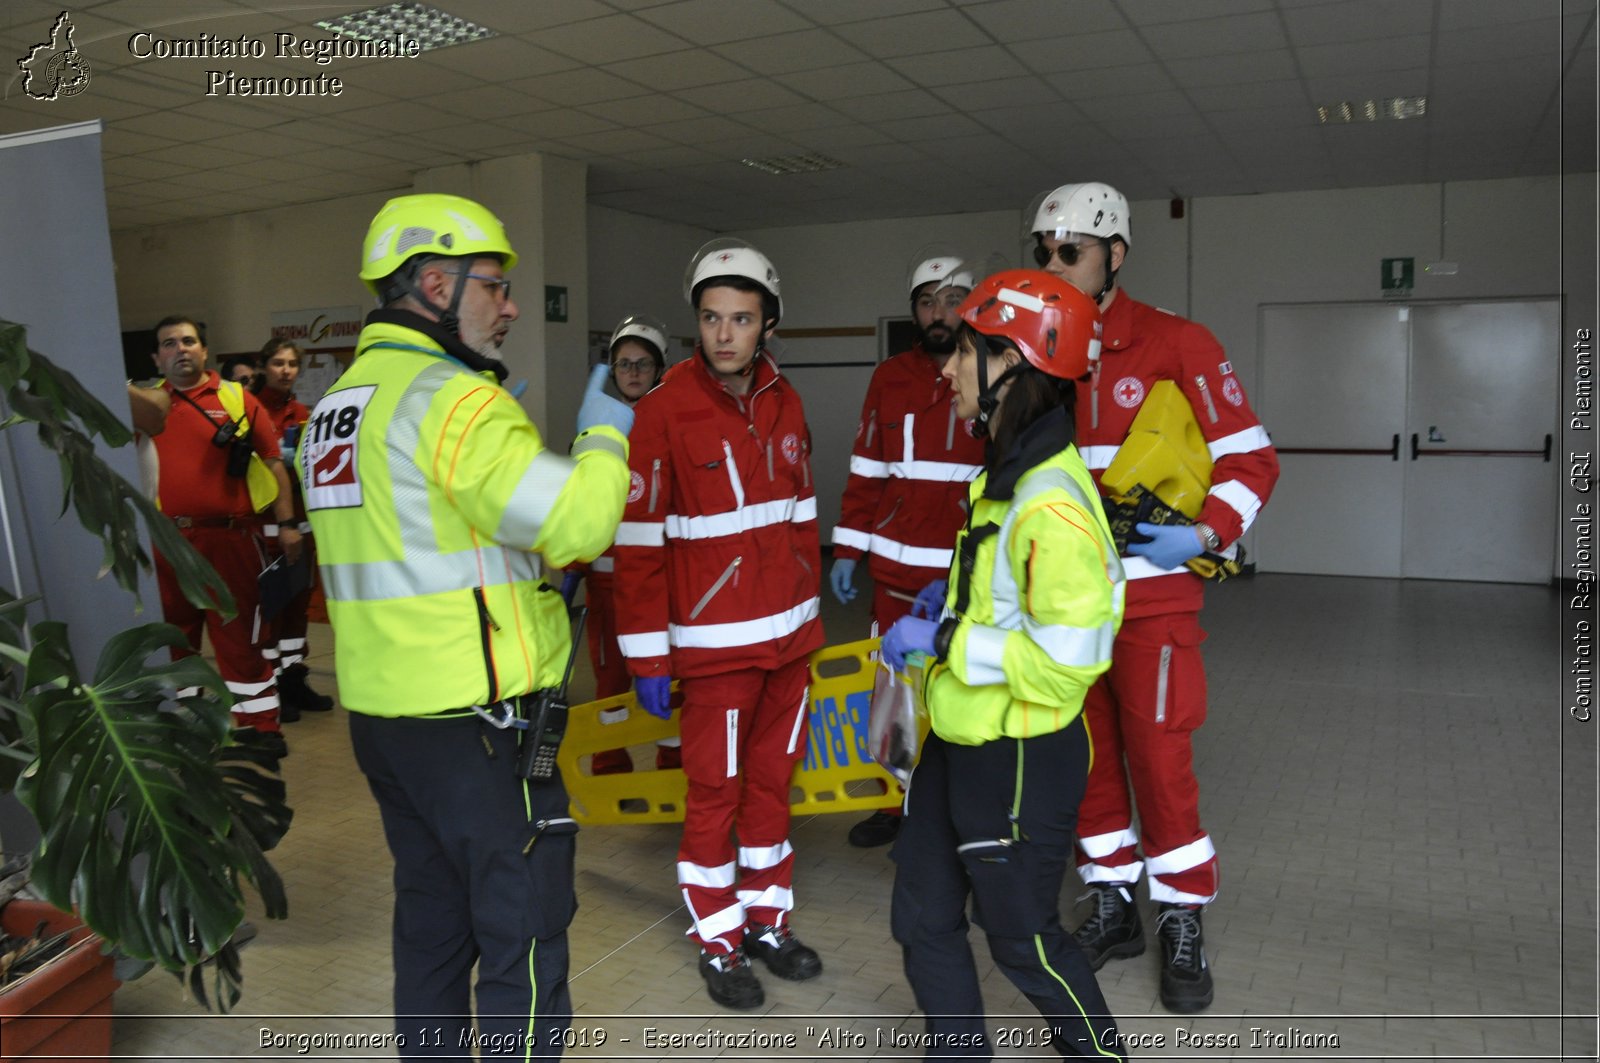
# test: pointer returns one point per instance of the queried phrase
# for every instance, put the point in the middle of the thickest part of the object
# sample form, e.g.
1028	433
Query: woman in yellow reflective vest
1016	638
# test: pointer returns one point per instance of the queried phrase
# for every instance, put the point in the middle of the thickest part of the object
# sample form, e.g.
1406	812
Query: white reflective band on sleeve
641	533
944	472
874	470
915	556
645	644
1183	858
1075	647
533	498
604	564
743	632
760	857
986	647
1097	846
850	537
1098	458
738	521
1242	442
779	897
1240	499
1143	568
598	441
720	877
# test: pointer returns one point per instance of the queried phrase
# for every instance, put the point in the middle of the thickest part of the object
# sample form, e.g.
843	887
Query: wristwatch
1209	536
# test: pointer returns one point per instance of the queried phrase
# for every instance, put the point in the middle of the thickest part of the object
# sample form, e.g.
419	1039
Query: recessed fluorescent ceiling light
1371	110
783	164
428	26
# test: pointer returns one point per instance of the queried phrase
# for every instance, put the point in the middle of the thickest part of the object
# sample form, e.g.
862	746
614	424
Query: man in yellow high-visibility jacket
437	510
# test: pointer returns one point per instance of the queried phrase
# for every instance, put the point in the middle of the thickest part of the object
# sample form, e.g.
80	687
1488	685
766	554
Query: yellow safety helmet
430	223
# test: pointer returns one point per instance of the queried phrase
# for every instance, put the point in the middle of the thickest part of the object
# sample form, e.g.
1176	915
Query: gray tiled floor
1400	826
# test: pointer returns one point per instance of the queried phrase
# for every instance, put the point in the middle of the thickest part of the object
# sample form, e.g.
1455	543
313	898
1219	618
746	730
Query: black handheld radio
547	720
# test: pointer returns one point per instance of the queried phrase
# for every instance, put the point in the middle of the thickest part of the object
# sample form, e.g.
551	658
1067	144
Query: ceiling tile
1399	53
486	102
1234	69
558	123
1216	36
1214	99
576	87
935	128
1357	20
710	130
738	96
1515	40
1157	12
610	39
837	138
525	18
1075	84
931	31
1088	51
707	22
999	92
499	59
1467	14
891	106
838	82
645	110
838	12
786	52
679	70
963	66
797	118
1026	20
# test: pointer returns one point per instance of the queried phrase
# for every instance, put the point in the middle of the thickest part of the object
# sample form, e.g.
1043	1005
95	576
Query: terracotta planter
62	1010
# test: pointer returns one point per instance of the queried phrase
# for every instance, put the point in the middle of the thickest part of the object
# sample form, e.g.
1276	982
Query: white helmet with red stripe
1092	208
728	256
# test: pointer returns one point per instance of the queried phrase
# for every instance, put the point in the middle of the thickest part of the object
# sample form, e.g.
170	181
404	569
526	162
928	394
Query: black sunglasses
1068	253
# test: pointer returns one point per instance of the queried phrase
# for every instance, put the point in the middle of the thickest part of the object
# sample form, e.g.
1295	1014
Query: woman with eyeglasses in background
638	358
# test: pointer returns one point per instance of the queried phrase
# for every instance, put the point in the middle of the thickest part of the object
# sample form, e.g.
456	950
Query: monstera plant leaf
149	809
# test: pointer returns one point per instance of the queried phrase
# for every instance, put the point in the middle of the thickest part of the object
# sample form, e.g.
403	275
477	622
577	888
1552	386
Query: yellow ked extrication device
1161	474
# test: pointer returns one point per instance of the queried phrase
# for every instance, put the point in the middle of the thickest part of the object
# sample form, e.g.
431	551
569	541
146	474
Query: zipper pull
483	610
1205	393
1094	397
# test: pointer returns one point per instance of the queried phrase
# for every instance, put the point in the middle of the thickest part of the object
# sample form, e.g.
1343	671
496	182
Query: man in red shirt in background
211	505
284	644
906	497
719	556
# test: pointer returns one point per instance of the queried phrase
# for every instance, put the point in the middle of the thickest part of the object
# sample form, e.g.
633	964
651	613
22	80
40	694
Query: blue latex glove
1167	545
930	600
653	692
909	635
599	408
840	576
569	586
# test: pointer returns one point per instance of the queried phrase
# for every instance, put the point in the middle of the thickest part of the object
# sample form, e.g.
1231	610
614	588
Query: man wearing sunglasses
913	458
1153	698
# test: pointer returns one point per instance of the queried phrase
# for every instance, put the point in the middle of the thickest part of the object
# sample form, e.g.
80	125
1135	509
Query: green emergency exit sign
555	303
1399	277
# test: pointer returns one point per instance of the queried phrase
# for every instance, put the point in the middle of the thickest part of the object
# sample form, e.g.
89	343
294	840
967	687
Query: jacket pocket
728	574
710	475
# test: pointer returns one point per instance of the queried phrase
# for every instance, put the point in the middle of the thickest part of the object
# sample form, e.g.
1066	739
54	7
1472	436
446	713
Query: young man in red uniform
213	511
285	644
906	496
1144	709
638	358
718	551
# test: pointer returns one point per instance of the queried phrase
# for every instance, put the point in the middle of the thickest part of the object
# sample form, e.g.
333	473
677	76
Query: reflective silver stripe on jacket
533	498
488	566
1067	645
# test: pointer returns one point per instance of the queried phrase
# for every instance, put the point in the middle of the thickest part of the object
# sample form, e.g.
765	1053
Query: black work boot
295	694
730	979
1113	929
880	828
1185	975
781	951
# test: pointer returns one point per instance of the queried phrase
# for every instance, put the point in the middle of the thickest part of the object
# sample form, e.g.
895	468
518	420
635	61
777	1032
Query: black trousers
483	867
995	823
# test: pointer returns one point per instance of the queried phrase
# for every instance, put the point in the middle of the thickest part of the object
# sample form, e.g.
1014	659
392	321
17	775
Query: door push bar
1417	452
1393	449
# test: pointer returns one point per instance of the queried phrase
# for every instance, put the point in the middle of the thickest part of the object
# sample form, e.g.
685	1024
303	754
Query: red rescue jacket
717	559
1141	345
906	497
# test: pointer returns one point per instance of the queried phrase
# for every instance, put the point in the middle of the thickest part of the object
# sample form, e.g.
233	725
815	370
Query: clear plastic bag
893	727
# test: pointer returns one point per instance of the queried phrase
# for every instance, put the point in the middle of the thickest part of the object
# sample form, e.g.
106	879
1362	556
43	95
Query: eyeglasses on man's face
500	284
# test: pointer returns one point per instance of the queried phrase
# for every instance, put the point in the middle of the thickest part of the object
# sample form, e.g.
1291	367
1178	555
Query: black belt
216	522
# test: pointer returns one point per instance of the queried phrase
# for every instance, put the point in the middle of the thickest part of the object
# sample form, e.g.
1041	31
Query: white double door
1415	440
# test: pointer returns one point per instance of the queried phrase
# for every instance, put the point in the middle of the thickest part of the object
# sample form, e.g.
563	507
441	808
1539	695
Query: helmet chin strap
1111	274
989	395
448	317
